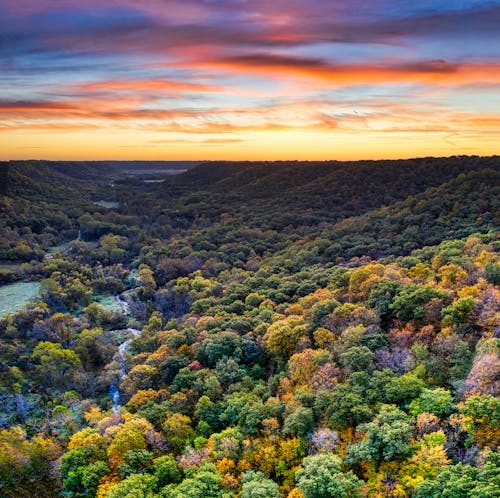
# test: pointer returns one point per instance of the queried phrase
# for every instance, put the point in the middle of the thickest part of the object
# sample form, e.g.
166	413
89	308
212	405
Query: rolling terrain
295	329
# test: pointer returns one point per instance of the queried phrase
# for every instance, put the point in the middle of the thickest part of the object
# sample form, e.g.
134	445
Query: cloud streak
439	72
216	73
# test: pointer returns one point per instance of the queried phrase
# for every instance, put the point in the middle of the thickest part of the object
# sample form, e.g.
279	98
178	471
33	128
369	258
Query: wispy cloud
216	73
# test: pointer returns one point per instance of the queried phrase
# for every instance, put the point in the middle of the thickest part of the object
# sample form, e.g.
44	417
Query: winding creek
123	304
114	390
18	295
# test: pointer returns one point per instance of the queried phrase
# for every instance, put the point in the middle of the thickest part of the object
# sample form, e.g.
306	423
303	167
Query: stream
122	350
18	295
123	303
114	390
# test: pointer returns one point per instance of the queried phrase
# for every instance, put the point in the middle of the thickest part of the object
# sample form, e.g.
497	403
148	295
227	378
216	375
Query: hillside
39	208
300	330
460	207
456	208
294	194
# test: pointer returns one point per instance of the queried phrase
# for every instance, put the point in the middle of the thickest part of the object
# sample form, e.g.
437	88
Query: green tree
247	411
257	485
358	359
387	437
382	294
322	477
134	486
300	422
90	476
410	303
135	461
492	271
202	482
166	470
348	406
464	481
459	312
56	365
222	345
438	401
226	444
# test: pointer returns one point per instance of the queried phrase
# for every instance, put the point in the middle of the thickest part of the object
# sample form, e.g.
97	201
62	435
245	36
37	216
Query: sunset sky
248	79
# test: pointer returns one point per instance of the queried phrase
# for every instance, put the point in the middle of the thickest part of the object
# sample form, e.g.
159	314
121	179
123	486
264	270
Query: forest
250	329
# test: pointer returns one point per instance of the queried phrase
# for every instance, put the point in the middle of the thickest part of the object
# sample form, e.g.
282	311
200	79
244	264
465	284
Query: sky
248	79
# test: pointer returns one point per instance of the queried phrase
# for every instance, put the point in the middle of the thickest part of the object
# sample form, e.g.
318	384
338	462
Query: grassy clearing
17	295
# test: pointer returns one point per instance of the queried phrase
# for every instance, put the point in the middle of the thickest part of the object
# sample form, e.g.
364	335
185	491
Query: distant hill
281	194
96	170
25	179
136	167
467	204
351	208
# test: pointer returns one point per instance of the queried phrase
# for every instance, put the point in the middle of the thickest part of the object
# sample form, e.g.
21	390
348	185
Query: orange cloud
363	116
437	72
155	85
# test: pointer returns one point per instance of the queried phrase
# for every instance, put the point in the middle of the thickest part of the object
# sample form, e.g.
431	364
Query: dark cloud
128	31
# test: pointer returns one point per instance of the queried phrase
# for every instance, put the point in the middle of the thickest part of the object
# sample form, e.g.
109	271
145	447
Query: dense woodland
308	330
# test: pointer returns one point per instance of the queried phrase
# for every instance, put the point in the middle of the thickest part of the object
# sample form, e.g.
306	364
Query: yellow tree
128	438
283	336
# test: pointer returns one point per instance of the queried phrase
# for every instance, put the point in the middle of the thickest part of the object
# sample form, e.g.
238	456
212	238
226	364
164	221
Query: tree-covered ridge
282	194
463	206
460	207
39	208
269	363
45	204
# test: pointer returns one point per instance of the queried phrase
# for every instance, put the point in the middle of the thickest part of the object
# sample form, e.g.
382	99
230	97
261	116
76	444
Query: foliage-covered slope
277	195
39	207
351	356
467	204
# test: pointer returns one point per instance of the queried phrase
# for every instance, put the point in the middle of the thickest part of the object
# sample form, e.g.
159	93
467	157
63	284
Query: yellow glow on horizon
126	144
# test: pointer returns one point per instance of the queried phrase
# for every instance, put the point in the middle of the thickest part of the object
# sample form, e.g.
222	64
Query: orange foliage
226	466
